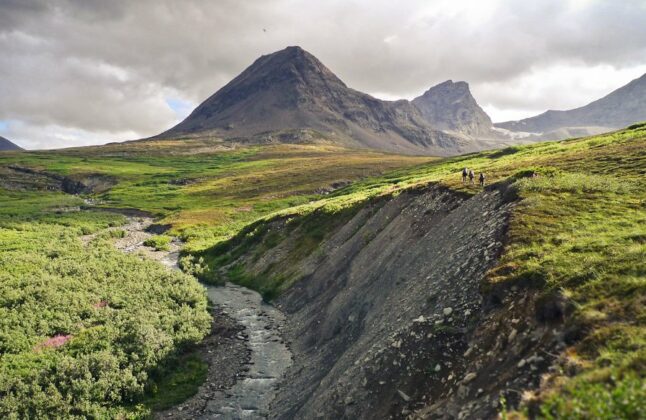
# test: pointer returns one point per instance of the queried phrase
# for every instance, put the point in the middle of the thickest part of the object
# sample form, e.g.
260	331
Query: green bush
159	242
616	398
83	327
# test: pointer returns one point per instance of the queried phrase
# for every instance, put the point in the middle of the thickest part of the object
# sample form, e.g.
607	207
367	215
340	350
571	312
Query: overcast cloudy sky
75	72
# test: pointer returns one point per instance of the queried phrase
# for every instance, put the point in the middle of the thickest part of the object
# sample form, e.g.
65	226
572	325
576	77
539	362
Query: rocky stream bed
246	353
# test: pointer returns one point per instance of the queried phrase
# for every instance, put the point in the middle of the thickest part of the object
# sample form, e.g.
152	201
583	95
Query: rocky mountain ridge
291	96
450	106
618	109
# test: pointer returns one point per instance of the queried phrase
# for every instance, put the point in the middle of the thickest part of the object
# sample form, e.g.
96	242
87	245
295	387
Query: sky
80	72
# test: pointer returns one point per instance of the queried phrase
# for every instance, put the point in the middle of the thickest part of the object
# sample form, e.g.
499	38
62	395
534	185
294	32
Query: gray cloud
92	70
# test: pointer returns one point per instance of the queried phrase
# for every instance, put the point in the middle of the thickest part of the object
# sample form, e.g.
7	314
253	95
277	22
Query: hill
290	96
451	107
7	145
620	108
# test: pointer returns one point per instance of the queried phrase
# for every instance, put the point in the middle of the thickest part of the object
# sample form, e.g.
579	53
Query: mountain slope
450	107
416	296
620	108
7	145
290	93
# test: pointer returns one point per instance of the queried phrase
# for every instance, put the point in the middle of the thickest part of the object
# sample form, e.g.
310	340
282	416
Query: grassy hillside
208	191
577	236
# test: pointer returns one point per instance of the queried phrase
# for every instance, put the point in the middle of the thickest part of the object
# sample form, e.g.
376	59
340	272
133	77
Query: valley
404	291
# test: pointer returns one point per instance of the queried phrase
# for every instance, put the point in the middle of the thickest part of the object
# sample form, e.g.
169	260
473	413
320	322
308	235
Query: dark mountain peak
451	106
292	64
290	92
450	87
287	79
293	52
7	145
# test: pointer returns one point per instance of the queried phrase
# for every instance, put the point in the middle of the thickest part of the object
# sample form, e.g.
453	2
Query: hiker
471	176
482	179
464	175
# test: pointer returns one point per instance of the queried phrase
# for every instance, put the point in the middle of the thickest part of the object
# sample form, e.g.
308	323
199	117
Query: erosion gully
270	357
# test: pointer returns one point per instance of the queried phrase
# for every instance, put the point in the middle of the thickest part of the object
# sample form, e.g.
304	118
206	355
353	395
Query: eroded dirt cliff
387	316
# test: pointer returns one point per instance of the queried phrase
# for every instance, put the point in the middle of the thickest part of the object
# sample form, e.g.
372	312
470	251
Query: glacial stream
250	396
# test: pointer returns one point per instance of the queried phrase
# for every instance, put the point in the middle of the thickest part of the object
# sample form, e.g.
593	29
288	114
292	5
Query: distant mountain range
290	96
7	145
620	108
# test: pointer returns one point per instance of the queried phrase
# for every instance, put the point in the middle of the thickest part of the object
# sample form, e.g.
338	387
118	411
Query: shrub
159	242
82	327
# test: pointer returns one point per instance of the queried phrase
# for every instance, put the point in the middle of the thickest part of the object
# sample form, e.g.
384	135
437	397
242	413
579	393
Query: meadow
208	192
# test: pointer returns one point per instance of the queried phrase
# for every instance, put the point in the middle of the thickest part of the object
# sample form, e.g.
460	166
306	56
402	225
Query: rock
512	335
447	311
468	352
462	391
469	377
521	363
403	395
420	319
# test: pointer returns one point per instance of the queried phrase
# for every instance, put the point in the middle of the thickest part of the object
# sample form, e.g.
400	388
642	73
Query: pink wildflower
54	342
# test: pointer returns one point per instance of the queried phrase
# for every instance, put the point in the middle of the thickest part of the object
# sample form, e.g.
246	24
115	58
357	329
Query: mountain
450	107
620	108
7	145
291	96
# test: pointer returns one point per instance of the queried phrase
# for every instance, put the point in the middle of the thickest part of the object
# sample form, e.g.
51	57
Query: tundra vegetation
87	331
92	326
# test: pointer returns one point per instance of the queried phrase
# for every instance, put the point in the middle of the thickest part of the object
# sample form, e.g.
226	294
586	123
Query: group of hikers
471	175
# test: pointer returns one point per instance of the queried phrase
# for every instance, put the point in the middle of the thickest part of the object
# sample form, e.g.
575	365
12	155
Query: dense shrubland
83	327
